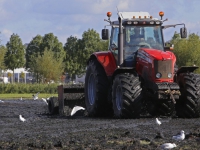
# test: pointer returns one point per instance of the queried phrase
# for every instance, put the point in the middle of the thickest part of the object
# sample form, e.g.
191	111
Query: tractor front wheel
126	96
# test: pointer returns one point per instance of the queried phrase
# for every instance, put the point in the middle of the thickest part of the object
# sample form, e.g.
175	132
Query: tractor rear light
158	75
169	75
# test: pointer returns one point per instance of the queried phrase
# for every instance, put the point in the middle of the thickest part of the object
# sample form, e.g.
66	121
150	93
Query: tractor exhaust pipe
120	44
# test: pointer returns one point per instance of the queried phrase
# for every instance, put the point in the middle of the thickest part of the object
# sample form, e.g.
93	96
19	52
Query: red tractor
139	72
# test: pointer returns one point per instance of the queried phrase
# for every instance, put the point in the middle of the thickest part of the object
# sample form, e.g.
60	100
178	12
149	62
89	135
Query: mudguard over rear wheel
188	106
126	96
96	90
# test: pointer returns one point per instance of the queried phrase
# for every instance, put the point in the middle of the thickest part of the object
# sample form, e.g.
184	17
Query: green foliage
14	57
45	57
72	55
2	54
187	51
50	42
28	88
48	67
32	50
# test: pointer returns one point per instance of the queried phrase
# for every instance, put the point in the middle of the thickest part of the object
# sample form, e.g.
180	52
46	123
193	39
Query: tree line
47	58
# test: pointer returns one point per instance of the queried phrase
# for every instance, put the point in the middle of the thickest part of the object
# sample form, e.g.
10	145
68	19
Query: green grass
25	96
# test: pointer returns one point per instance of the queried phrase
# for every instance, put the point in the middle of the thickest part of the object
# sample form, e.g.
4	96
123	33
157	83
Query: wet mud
43	131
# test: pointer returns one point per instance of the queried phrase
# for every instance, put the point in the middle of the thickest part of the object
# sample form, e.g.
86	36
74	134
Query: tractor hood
157	54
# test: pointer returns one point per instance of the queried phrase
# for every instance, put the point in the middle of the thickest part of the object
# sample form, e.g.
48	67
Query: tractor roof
129	15
135	16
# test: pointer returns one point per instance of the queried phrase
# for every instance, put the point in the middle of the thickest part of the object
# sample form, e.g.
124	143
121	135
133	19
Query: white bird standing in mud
1	101
45	100
75	109
158	122
168	146
35	96
21	118
21	98
179	137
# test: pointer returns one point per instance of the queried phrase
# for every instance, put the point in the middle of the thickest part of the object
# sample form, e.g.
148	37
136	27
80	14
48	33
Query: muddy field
42	131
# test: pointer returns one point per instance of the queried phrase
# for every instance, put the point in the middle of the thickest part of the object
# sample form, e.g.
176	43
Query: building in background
20	76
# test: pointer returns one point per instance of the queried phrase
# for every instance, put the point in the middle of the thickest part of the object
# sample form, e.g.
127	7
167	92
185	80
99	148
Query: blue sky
64	18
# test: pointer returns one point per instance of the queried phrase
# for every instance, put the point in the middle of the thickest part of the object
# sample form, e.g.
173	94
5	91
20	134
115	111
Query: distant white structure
4	79
27	75
80	78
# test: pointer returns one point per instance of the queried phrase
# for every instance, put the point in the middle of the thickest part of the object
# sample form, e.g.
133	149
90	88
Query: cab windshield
143	36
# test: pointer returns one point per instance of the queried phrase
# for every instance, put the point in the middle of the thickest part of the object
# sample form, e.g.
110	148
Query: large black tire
188	106
53	106
96	90
127	96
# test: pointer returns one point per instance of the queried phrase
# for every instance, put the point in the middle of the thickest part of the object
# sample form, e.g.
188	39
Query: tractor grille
163	67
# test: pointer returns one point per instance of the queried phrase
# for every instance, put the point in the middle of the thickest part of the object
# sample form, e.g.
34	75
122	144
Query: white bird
21	118
75	109
168	146
21	98
158	122
45	100
35	96
1	101
179	137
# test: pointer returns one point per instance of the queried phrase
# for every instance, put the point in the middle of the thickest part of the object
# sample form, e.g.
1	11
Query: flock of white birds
179	137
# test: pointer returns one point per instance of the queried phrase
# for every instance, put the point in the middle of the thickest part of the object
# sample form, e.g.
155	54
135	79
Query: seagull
179	137
158	122
168	146
1	101
75	109
21	118
45	100
35	96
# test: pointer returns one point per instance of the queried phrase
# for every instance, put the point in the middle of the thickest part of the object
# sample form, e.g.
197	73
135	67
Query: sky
65	18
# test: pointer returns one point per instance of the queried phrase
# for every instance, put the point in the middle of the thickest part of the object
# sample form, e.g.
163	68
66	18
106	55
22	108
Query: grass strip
25	96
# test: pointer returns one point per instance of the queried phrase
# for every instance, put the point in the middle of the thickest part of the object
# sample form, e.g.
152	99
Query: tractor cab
138	30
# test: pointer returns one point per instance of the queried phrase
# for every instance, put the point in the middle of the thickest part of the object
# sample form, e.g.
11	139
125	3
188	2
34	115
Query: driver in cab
136	37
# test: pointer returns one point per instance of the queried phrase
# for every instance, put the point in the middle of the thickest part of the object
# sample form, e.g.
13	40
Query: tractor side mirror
183	32
105	34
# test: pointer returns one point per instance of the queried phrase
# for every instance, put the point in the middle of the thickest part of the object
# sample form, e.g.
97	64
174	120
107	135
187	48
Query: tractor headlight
158	75
169	75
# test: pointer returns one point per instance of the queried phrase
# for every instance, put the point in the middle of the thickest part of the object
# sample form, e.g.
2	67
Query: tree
50	42
48	67
72	65
89	44
187	51
22	75
2	52
15	55
32	50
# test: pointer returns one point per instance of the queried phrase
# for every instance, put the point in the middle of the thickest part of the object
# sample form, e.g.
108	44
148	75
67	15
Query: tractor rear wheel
126	96
53	106
96	89
188	106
